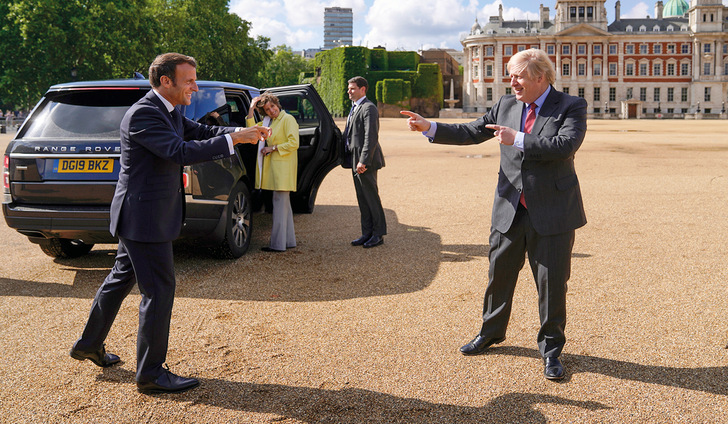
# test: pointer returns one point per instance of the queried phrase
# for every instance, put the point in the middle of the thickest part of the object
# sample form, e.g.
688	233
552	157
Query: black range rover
61	168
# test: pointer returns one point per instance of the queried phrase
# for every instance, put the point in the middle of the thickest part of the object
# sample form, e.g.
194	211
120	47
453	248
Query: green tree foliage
44	41
283	68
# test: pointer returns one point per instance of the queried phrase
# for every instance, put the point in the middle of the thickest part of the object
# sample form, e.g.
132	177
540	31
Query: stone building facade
673	65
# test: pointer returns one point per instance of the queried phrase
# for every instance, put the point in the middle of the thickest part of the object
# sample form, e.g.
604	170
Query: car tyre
64	248
239	223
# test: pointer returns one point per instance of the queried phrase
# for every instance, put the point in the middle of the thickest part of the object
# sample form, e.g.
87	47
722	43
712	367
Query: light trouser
282	235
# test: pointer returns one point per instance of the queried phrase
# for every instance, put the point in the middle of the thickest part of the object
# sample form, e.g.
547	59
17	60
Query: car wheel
64	248
239	226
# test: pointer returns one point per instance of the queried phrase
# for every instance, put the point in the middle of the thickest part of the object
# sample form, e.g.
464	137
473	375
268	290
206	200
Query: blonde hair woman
277	167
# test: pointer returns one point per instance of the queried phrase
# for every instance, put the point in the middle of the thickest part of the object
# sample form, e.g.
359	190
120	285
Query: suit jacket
280	167
148	204
363	131
544	171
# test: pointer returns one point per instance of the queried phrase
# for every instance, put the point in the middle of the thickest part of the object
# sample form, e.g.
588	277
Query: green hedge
333	68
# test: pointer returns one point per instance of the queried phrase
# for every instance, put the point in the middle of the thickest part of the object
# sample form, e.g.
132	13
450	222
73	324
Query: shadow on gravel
324	266
355	406
708	379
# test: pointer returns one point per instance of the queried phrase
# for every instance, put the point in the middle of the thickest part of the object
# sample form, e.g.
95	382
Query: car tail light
185	180
6	173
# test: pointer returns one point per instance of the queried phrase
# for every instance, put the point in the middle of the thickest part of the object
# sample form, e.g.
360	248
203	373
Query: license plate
86	165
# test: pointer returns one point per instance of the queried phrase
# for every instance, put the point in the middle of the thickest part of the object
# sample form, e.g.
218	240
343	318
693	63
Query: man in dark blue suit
537	204
147	213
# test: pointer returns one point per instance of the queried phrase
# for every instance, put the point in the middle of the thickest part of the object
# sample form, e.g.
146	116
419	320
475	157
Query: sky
397	24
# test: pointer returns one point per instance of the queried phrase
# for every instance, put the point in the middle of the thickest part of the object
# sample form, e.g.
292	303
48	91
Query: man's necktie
176	119
527	127
346	130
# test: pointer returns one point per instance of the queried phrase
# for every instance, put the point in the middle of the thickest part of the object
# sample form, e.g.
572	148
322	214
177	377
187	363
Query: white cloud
415	24
509	13
638	11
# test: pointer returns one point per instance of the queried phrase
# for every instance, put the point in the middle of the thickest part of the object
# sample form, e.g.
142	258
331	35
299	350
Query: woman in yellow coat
277	167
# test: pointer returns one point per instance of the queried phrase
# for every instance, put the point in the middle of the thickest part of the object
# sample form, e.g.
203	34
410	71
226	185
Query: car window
301	109
89	114
204	101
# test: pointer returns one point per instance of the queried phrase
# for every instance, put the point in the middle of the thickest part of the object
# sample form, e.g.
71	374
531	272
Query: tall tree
56	41
283	68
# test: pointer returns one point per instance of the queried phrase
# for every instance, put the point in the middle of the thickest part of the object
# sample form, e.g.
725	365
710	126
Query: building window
670	94
612	94
509	90
565	69
657	69
489	94
572	12
581	69
671	49
505	71
643	94
597	94
685	48
629	69
725	48
656	94
725	68
612	49
550	49
566	90
656	28
590	12
508	50
670	69
597	69
670	28
629	49
612	69
581	92
581	12
521	48
643	28
581	49
476	74
706	47
706	68
657	48
629	92
566	49
706	96
643	69
488	70
644	49
684	94
629	28
597	48
684	69
489	51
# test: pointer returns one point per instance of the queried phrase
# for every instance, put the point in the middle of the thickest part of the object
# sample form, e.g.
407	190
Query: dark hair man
363	155
147	214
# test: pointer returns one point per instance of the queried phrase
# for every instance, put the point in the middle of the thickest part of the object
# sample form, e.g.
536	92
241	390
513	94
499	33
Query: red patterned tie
527	127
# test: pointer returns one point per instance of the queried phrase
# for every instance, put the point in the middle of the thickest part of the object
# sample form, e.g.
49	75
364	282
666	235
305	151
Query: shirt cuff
518	141
430	134
230	144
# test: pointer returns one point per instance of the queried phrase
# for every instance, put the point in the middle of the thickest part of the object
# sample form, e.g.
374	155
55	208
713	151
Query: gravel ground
329	333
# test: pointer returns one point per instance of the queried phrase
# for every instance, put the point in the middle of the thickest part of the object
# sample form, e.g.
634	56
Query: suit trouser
373	222
151	266
550	260
282	235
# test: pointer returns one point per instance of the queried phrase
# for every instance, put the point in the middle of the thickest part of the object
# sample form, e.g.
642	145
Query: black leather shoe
167	382
373	242
553	369
479	345
361	240
99	357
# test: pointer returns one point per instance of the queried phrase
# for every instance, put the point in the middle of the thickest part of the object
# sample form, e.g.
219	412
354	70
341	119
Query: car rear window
82	114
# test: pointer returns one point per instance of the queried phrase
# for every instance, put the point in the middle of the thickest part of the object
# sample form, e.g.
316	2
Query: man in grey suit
537	204
363	154
147	213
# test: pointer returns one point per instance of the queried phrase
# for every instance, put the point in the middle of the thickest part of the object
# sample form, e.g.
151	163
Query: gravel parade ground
330	333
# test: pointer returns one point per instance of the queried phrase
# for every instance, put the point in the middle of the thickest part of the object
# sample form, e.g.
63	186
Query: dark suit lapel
174	122
550	105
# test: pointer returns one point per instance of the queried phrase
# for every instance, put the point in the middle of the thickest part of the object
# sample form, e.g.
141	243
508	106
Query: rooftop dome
675	8
475	29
